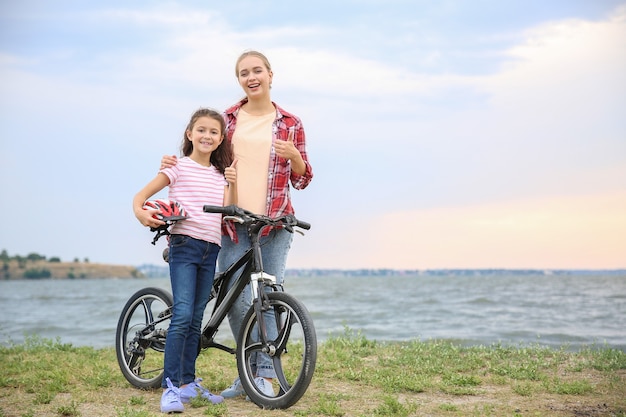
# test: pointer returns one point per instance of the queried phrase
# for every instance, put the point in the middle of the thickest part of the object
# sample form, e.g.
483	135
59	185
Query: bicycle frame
225	299
250	264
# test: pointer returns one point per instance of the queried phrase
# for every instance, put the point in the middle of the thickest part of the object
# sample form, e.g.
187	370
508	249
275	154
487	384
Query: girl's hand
230	173
145	217
168	161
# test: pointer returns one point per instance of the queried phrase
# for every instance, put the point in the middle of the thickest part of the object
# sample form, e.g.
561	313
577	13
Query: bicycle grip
227	210
303	225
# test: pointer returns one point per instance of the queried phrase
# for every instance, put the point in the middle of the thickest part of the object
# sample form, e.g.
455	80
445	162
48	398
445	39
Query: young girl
206	174
269	143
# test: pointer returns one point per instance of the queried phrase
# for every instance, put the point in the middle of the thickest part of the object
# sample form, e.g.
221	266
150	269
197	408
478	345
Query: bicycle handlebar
233	210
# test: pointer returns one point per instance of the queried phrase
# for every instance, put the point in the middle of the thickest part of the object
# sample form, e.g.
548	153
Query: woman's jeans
192	269
274	250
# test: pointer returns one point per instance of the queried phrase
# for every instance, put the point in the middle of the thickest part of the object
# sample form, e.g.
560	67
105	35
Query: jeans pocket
178	240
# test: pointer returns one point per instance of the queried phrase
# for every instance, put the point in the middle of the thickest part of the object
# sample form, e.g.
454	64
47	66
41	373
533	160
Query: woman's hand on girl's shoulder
168	161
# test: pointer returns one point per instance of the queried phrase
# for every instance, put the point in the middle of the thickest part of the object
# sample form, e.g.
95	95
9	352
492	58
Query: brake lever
237	219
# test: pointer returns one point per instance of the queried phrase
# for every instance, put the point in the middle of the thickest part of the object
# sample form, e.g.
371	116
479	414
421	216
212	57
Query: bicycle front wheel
292	350
140	337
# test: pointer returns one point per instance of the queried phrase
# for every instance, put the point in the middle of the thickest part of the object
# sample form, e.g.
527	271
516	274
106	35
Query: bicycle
142	326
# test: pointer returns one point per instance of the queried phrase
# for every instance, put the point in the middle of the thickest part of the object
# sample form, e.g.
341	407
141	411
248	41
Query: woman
269	145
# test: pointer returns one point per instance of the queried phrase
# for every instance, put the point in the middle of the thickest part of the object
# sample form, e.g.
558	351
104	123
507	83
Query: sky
450	134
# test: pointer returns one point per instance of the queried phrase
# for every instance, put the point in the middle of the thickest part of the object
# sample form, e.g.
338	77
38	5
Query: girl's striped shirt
194	185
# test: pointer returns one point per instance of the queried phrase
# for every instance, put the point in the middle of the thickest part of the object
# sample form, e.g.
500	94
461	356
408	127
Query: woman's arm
301	170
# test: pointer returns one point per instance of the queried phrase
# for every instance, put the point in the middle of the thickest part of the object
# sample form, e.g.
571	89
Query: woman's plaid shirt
280	174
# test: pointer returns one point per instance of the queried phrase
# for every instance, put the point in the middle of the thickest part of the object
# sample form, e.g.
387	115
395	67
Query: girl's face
206	135
254	77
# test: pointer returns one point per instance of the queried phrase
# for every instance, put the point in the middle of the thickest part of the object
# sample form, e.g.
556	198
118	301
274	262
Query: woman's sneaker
194	389
170	400
264	386
234	390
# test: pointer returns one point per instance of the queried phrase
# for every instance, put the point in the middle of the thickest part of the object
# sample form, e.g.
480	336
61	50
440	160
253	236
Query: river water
569	310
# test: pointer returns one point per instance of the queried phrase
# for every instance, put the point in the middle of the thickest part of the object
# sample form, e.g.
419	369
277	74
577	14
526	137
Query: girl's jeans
274	250
192	269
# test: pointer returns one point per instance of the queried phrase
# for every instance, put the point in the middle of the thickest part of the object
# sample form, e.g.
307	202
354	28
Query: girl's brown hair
221	157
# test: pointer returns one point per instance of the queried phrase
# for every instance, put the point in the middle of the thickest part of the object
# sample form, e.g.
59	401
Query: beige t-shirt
252	143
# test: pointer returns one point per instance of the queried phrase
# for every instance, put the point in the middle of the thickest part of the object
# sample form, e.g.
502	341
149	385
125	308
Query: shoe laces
196	385
170	385
172	393
199	388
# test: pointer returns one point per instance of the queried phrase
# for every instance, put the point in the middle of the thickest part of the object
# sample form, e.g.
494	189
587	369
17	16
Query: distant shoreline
454	271
159	271
41	269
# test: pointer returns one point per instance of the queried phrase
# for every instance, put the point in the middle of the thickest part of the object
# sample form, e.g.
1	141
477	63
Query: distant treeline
24	265
37	266
4	257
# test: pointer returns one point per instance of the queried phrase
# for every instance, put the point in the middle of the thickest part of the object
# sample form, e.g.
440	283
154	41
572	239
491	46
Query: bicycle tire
294	357
140	337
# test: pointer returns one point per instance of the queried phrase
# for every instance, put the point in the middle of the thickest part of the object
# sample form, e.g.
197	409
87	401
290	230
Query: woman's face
254	77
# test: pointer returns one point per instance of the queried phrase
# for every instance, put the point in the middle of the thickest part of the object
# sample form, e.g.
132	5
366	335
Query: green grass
354	377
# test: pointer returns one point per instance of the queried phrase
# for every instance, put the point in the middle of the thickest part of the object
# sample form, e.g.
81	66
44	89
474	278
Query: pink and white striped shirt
194	185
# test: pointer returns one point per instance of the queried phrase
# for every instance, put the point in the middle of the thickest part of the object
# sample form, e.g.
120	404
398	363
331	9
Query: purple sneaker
170	400
194	389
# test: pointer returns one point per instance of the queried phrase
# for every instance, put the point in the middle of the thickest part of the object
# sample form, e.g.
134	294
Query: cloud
549	121
574	60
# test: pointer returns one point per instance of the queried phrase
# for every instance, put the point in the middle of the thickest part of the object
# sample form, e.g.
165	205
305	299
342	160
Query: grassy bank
354	377
42	269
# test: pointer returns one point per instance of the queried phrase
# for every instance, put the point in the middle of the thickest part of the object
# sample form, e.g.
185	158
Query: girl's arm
145	216
230	191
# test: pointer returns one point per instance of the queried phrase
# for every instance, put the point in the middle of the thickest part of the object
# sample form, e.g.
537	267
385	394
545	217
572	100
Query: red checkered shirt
280	173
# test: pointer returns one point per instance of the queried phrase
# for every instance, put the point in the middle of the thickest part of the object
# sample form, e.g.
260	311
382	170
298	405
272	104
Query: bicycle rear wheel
293	352
140	337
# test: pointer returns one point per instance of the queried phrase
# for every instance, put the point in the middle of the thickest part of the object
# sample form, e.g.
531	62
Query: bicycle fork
258	282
